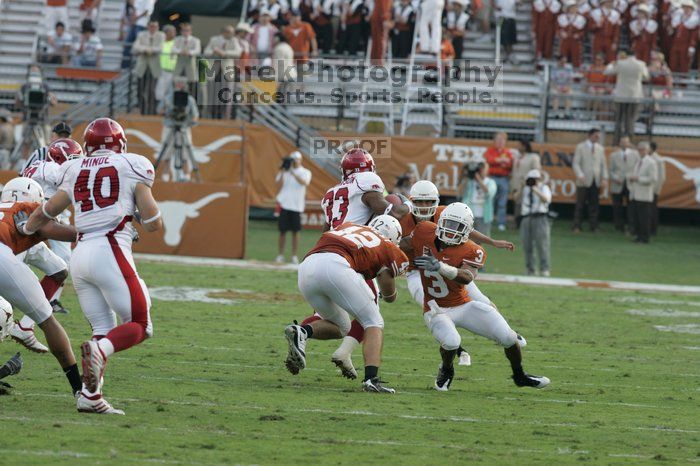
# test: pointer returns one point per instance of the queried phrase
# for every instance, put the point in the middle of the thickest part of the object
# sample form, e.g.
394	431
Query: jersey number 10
88	198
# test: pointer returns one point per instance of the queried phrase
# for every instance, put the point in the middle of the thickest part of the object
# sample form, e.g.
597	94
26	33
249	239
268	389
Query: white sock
106	346
346	348
26	323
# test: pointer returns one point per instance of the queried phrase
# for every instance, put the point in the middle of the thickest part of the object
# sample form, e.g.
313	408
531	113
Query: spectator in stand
88	52
59	44
404	25
283	64
56	11
447	50
127	20
167	62
292	199
221	51
534	227
142	14
627	94
322	18
562	82
500	161
685	23
483	12
658	186
243	31
544	15
380	23
597	84
430	28
262	41
403	184
660	78
274	11
456	19
622	163
187	48
643	33
353	16
477	190
591	174
506	13
7	138
605	25
88	10
148	48
643	183
301	37
571	28
527	161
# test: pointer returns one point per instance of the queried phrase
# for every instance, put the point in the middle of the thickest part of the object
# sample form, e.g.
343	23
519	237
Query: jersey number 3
336	206
88	198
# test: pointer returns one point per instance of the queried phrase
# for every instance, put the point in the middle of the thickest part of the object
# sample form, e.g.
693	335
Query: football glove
21	218
429	263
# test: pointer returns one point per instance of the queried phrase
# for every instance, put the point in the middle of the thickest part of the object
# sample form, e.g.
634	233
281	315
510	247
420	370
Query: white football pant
334	290
106	281
474	316
430	27
20	286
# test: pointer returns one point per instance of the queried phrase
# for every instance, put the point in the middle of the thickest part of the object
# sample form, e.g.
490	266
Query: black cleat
534	381
13	366
374	385
58	307
444	378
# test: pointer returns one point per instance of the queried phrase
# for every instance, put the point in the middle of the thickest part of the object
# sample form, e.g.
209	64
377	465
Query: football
393	199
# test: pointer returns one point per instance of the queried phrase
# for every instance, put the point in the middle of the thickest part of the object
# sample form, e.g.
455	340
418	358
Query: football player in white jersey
47	172
107	189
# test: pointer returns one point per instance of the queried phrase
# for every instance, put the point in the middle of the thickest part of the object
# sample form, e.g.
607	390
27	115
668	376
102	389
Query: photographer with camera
534	226
292	198
180	113
478	191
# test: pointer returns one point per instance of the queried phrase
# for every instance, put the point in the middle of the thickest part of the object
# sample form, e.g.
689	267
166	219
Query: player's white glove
429	263
406	201
21	218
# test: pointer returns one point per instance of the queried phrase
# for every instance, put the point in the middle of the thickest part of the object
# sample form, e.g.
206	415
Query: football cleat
58	307
95	404
13	366
534	381
26	338
345	365
375	386
464	359
521	341
444	378
296	356
94	363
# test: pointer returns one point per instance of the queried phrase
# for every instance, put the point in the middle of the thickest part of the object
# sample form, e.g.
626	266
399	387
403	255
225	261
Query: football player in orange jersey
448	261
332	278
18	284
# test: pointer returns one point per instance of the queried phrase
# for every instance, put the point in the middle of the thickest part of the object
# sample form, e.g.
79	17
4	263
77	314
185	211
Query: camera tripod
33	137
174	149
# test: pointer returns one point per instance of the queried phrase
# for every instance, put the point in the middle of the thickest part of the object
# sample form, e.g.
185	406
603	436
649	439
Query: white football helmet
424	190
22	190
387	226
455	224
6	321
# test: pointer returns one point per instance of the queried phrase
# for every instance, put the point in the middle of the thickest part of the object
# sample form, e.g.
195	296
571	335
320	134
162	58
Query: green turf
672	257
211	387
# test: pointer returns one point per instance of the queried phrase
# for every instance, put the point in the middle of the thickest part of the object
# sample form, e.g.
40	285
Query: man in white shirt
658	186
291	199
58	45
506	14
534	227
143	9
88	52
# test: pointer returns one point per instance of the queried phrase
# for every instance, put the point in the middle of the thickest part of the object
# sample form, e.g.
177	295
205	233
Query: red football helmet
64	149
104	133
356	161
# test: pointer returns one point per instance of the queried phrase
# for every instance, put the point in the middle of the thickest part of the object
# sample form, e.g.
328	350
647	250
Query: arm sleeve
141	169
369	181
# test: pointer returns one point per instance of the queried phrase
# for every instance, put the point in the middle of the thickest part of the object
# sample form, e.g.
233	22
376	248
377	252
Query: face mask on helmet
452	231
424	208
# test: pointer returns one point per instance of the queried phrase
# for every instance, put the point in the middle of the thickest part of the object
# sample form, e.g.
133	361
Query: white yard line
485	277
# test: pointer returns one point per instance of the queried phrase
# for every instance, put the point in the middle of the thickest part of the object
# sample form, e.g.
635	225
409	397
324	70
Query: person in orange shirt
449	261
332	279
301	38
500	162
18	284
447	50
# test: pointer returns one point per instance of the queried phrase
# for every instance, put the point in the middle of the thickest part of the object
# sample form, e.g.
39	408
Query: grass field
211	387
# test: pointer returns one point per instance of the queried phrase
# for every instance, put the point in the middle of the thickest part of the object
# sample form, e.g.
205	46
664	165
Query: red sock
356	331
310	319
125	336
50	286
